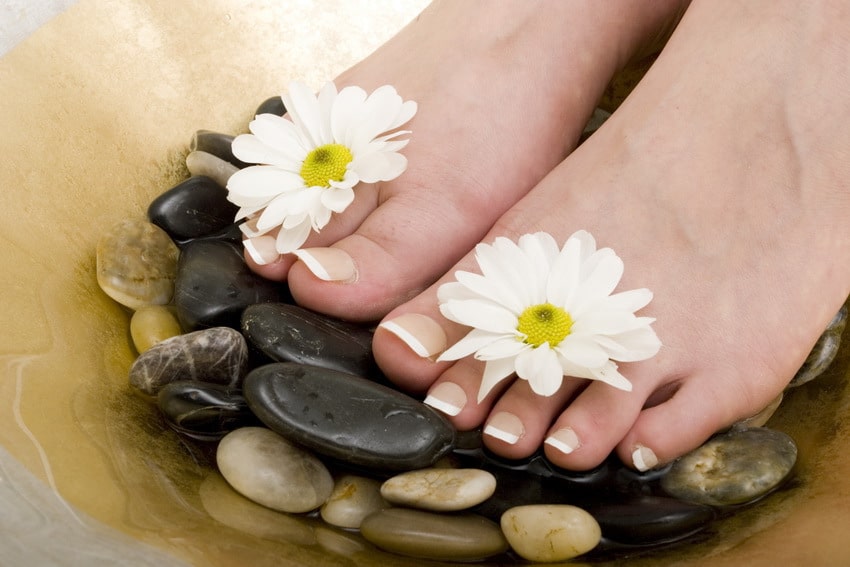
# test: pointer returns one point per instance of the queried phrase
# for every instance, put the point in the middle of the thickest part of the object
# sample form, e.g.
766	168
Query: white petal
261	182
344	113
607	269
474	340
304	110
638	344
541	250
494	372
337	199
582	351
489	288
378	166
506	346
540	366
455	290
292	239
498	262
480	314
608	322
251	149
377	114
326	99
565	273
610	375
631	300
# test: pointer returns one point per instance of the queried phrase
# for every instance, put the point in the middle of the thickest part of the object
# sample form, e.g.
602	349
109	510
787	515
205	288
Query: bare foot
504	90
722	182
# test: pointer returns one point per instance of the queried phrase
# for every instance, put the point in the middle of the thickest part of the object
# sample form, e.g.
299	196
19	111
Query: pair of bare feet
723	181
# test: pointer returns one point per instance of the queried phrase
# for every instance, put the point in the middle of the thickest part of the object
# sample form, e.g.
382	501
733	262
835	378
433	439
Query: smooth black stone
347	418
217	144
650	520
272	105
289	333
204	411
214	285
196	207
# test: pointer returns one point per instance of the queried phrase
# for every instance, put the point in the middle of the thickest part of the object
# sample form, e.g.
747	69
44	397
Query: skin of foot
722	182
504	90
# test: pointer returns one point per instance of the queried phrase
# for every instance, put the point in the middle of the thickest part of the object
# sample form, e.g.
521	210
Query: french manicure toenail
328	264
447	397
506	427
644	458
261	249
565	440
419	332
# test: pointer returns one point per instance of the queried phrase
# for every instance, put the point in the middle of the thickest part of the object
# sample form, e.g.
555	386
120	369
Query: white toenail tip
408	339
438	404
313	265
644	458
508	438
254	253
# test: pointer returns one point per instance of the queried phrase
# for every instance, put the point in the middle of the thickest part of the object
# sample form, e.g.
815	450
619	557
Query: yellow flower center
325	164
544	323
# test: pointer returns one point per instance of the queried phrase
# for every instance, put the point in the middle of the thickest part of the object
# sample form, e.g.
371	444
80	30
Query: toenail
644	458
328	264
506	427
261	249
419	332
447	397
565	440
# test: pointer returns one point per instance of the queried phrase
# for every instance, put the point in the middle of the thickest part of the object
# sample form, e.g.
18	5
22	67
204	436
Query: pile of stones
303	421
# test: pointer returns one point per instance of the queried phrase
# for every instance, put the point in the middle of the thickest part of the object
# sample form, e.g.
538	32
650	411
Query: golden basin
97	109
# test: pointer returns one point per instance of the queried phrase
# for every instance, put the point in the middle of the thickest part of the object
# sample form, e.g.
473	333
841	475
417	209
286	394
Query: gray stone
440	489
266	468
352	499
137	264
824	351
218	355
447	537
550	532
733	468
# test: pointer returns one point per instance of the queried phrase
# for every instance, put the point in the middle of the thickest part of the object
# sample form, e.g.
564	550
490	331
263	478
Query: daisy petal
540	366
494	372
337	199
582	351
610	375
304	110
292	239
474	340
481	315
507	346
344	113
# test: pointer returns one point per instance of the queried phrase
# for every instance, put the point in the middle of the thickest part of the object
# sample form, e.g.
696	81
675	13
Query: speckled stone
137	264
214	285
193	208
268	469
353	498
153	324
736	467
347	418
203	411
426	535
218	355
824	351
440	489
650	520
550	532
289	333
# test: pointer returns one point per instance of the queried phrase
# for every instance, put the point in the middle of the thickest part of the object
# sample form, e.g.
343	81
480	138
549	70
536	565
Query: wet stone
353	498
440	489
734	468
217	144
650	520
204	163
218	356
824	351
153	324
272	105
266	468
550	532
206	412
426	535
136	264
347	418
289	333
214	285
193	208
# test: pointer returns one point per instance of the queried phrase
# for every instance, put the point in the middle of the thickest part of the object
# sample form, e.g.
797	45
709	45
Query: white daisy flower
310	162
545	313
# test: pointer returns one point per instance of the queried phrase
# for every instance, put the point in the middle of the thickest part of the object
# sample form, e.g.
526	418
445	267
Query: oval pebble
266	468
217	144
347	418
218	355
203	411
153	324
195	207
426	535
823	352
204	163
732	468
440	489
352	499
137	264
550	532
650	520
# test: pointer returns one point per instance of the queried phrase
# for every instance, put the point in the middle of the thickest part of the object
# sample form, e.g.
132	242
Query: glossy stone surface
550	532
352	499
733	468
218	355
204	411
268	469
204	163
439	489
217	144
214	285
136	264
824	351
153	324
448	537
193	208
650	520
347	418
289	333
272	105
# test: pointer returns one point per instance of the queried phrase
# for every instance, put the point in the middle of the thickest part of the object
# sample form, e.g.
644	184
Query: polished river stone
550	532
440	489
193	208
217	144
824	351
733	468
203	411
153	324
353	498
347	418
650	520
